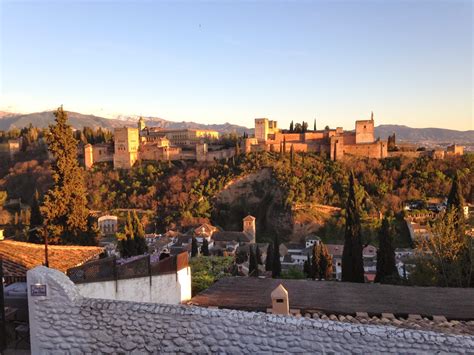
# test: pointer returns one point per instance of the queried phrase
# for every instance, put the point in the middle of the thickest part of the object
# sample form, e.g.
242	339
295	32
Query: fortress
157	144
334	143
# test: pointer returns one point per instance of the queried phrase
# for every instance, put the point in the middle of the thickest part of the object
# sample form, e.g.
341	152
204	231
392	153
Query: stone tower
88	156
141	124
126	147
249	227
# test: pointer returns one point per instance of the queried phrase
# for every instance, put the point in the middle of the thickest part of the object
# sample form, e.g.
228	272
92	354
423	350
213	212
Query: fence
107	269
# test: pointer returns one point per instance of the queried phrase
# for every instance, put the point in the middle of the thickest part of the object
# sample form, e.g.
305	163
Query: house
19	257
223	239
108	224
369	254
205	230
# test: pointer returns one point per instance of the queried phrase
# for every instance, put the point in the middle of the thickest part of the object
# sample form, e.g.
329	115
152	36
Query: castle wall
375	150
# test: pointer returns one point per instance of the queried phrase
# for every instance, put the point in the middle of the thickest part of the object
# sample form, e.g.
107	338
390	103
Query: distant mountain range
425	135
78	121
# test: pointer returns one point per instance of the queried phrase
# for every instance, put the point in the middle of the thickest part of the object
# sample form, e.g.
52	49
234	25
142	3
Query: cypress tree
205	247
325	262
456	201
292	155
258	254
386	266
291	127
314	128
307	266
352	261
36	220
276	265
281	150
138	235
284	145
315	263
194	248
253	263
65	205
269	258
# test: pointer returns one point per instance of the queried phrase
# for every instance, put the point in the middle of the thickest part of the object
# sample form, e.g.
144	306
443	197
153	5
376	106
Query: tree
36	220
138	235
307	266
269	258
65	205
352	261
253	263
258	253
205	247
456	201
292	155
194	248
276	265
315	263
284	145
314	127
291	127
386	267
448	251
325	262
127	244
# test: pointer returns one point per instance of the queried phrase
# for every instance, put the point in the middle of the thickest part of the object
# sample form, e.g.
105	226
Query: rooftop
20	256
249	293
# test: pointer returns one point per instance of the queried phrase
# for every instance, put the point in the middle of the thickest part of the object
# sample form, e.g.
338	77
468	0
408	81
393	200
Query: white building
108	224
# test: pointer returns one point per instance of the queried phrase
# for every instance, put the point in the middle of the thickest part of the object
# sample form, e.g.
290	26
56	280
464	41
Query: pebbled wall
64	321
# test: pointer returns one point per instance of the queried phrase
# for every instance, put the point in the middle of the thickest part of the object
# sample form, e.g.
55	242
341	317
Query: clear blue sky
408	61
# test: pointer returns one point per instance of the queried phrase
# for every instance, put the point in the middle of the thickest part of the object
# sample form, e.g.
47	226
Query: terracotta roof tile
18	257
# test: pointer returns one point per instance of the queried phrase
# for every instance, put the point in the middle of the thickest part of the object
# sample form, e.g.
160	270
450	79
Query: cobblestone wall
64	321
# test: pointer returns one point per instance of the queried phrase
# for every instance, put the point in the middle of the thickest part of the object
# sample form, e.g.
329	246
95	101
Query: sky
410	62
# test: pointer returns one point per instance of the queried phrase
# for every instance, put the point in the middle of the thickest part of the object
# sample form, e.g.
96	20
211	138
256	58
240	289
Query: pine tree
194	248
276	265
205	247
253	263
65	205
269	258
352	261
291	127
456	201
386	266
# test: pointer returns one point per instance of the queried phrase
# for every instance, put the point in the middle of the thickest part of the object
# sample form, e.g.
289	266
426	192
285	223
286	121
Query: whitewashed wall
167	288
64	322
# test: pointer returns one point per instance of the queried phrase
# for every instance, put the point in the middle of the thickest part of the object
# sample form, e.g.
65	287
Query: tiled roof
251	293
18	257
240	237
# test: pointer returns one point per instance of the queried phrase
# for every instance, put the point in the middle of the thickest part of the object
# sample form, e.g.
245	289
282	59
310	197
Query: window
280	300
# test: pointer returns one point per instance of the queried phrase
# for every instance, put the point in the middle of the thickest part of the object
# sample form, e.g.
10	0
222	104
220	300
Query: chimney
280	301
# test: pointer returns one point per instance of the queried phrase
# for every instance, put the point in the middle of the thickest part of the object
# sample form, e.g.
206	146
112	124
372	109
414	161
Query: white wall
167	288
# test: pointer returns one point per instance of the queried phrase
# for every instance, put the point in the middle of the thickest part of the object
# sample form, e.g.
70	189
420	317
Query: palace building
157	144
334	143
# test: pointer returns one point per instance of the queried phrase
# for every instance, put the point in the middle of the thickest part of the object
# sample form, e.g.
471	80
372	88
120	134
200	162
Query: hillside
421	135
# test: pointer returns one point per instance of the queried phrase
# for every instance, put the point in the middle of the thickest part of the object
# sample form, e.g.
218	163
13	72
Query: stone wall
64	321
172	288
